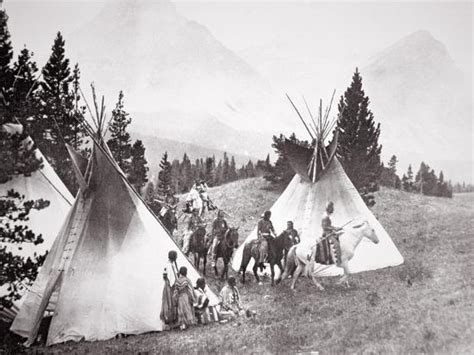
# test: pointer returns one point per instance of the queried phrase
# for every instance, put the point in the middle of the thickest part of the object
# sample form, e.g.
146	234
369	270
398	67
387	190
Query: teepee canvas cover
304	203
321	178
41	184
106	264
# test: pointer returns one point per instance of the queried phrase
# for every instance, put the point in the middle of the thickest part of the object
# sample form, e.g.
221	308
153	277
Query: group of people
184	305
198	198
192	303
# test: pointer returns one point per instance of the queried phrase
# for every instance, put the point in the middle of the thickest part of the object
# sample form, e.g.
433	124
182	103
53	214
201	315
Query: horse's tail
290	265
246	256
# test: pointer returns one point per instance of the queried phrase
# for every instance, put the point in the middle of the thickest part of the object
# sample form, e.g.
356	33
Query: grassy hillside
424	305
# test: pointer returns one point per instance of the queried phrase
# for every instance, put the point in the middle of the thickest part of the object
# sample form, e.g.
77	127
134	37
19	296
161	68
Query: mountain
424	104
164	62
201	130
156	146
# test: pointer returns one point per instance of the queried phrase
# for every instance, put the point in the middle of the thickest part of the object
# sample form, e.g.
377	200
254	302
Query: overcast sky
305	29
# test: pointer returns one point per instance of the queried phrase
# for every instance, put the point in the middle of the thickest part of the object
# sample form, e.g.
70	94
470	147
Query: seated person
201	302
230	300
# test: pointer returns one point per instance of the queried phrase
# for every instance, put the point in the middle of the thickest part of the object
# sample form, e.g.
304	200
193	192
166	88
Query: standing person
168	312
330	249
219	227
184	293
193	223
201	302
265	230
231	305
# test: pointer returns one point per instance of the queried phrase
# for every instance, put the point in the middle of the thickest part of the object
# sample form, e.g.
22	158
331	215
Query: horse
276	246
301	257
198	246
225	249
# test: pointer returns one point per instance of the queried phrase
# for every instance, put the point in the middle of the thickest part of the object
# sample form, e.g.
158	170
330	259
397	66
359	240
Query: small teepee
106	265
320	178
41	184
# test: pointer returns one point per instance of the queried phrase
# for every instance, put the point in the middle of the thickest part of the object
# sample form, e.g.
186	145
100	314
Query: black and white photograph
236	177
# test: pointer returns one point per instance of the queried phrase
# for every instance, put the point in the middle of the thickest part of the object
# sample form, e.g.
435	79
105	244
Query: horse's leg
272	269
255	267
224	270
315	281
345	278
281	271
296	274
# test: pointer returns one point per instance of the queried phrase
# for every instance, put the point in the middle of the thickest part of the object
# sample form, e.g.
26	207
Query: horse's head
232	237
285	241
367	231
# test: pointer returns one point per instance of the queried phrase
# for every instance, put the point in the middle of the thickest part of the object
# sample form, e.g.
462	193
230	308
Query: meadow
422	306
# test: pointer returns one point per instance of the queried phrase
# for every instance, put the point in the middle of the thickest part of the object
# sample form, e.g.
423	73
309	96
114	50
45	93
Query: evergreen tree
120	141
219	174
358	148
23	99
187	179
209	172
410	181
225	169
16	269
149	193
165	184
6	55
232	170
57	122
137	174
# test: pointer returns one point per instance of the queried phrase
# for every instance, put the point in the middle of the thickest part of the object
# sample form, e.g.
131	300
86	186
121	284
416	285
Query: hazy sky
348	31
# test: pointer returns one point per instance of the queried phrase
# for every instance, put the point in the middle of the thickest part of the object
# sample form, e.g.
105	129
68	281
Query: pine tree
209	173
149	193
225	169
6	55
410	181
120	141
187	178
165	183
16	269
137	174
358	149
23	99
232	170
57	122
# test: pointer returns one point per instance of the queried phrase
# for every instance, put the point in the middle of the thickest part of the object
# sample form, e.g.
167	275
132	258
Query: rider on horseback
219	227
265	230
194	222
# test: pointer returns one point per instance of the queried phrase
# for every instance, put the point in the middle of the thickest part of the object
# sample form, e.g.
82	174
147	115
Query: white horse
303	256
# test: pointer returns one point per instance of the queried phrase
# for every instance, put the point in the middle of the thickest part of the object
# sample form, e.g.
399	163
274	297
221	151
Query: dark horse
276	246
198	246
225	249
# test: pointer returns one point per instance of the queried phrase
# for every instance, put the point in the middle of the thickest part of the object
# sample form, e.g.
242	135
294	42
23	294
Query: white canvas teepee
318	181
42	184
106	265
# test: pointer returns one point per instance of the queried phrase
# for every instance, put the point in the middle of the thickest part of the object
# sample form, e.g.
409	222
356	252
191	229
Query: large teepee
106	265
42	184
321	178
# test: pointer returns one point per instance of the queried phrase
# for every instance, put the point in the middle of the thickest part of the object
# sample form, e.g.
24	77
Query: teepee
320	178
106	265
41	184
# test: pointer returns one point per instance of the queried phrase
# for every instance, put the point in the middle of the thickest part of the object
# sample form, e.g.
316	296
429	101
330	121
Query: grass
422	306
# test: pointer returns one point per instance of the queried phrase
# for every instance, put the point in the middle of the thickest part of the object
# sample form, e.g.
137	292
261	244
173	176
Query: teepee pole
316	130
299	115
